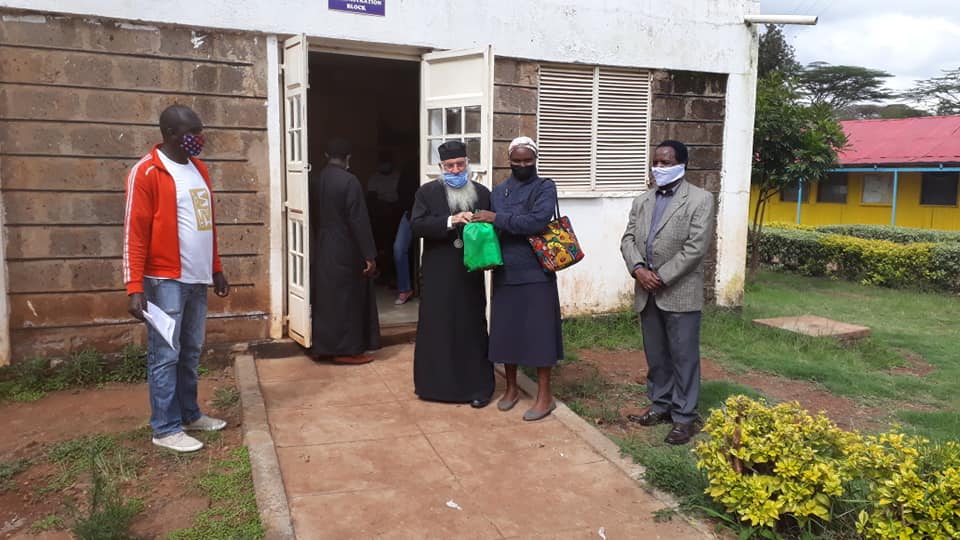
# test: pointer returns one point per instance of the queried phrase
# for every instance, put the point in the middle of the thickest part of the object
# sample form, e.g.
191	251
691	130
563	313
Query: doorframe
277	220
276	141
4	294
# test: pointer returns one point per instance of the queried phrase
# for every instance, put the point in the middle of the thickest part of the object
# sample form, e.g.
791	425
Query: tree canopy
775	54
792	141
841	86
941	94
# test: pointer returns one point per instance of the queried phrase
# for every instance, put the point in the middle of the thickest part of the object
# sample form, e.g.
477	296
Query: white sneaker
205	423
178	442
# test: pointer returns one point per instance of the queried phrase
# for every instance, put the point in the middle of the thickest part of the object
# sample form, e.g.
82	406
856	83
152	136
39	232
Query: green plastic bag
481	247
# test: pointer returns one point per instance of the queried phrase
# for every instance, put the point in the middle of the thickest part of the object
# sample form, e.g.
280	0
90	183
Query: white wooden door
456	93
295	61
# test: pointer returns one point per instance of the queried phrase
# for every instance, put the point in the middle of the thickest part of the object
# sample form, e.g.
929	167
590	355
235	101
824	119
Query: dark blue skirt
525	325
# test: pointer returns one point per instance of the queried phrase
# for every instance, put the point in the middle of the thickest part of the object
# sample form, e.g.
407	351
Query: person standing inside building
406	194
450	359
525	313
170	258
668	234
343	252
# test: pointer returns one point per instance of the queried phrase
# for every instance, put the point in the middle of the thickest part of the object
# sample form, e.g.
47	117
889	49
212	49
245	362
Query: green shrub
914	488
899	235
782	469
872	262
877	262
796	250
773	465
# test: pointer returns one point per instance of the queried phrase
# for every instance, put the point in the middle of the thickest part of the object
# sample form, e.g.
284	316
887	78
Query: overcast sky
912	39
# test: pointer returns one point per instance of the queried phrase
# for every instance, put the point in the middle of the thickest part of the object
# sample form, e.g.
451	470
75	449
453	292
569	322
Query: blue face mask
455	181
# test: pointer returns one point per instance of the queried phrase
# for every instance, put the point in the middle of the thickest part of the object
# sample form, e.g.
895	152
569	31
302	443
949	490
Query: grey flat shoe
533	416
505	406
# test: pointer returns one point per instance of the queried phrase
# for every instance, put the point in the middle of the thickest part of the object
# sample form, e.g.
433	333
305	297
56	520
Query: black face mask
523	173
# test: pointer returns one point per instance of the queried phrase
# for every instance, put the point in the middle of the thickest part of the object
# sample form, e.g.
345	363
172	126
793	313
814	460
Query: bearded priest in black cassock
450	359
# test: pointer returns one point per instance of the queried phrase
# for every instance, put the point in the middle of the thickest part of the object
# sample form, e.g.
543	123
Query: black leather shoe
480	403
650	418
681	433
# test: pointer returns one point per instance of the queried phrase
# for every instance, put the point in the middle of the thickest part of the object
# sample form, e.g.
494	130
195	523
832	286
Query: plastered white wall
697	35
600	282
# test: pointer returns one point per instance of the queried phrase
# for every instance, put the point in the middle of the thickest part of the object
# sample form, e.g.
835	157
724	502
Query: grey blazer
682	239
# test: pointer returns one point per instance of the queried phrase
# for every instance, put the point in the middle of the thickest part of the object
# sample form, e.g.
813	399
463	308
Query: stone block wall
79	103
514	109
686	106
690	107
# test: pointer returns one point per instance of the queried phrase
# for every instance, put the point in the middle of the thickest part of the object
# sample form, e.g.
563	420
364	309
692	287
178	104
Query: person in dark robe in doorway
343	262
450	359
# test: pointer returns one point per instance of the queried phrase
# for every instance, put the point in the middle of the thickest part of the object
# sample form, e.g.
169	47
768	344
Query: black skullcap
338	147
452	149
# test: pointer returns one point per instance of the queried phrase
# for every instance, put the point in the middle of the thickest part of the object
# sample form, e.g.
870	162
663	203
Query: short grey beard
461	199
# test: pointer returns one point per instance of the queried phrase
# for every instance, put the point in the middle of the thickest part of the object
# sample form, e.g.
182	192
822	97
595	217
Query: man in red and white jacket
169	260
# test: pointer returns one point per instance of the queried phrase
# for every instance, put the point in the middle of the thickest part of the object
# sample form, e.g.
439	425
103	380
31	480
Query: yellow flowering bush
915	488
767	463
780	467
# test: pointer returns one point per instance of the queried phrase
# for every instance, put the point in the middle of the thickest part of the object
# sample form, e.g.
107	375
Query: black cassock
450	359
343	302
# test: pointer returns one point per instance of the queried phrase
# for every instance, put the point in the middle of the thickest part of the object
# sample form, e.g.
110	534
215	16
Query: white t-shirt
194	221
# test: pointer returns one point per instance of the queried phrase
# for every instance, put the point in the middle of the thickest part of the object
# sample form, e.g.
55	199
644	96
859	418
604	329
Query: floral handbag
557	246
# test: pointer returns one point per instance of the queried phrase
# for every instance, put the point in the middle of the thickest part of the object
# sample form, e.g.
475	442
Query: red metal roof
928	139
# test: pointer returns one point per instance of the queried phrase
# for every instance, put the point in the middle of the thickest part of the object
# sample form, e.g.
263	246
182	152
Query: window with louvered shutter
593	126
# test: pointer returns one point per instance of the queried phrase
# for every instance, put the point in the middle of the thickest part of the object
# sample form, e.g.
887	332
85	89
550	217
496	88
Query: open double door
456	103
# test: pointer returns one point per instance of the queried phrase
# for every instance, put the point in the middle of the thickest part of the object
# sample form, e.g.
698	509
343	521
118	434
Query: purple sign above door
362	7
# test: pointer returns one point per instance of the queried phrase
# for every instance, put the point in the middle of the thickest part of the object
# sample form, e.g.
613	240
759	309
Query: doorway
374	103
387	102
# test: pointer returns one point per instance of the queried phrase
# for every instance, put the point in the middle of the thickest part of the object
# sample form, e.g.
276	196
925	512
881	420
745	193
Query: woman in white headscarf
525	312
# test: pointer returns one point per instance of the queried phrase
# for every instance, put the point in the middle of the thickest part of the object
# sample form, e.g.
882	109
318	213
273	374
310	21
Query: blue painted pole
896	190
799	198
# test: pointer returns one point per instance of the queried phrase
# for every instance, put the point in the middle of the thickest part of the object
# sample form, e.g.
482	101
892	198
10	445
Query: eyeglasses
451	165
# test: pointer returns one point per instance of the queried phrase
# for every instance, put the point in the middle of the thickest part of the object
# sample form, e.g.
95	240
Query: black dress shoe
681	433
650	418
480	403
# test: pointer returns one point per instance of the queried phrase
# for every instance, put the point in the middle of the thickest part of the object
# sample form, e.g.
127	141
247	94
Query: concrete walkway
361	457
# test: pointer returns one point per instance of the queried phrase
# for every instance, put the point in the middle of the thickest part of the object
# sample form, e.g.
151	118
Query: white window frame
877	177
600	97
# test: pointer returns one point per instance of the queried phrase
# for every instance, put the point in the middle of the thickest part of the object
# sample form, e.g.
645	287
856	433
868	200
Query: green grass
226	397
33	378
714	393
617	331
233	512
934	425
49	523
10	469
922	323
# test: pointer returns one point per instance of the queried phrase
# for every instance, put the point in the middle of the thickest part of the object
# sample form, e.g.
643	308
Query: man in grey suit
667	236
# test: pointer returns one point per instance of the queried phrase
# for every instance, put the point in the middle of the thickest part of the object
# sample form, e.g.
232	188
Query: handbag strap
530	199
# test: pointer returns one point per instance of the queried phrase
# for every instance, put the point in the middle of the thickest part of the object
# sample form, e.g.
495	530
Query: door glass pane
473	150
472	124
454	120
298	121
436	121
434	157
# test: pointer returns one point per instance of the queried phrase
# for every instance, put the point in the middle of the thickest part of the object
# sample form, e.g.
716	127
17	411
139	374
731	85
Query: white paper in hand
162	322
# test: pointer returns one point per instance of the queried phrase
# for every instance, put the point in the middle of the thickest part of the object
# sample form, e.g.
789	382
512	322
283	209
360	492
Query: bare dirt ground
629	366
165	482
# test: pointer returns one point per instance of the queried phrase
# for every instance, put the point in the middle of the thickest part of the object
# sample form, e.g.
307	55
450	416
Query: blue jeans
401	253
172	372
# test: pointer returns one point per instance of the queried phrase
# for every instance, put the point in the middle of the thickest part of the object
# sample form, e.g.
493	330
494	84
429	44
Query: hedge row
779	467
872	262
900	235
